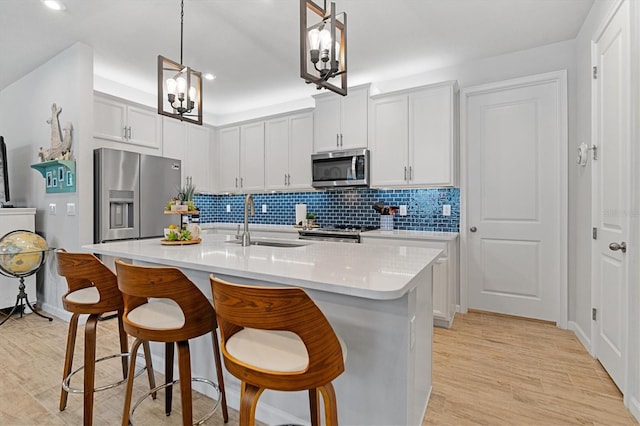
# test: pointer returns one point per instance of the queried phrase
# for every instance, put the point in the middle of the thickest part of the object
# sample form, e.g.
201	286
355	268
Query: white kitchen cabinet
191	144
445	270
241	158
13	220
288	149
123	122
341	121
414	137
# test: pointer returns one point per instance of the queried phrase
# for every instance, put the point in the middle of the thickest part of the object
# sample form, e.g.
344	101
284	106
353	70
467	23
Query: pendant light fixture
323	46
179	86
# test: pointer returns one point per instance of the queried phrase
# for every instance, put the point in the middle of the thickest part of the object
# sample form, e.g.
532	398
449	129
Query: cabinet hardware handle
285	178
130	137
615	247
473	229
410	172
236	182
340	140
288	179
337	140
405	172
125	132
241	182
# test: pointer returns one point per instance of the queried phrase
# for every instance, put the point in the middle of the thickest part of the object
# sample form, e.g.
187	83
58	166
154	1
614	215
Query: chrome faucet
246	239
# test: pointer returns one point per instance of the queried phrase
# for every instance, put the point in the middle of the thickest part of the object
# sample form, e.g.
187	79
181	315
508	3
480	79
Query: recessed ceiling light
209	76
54	4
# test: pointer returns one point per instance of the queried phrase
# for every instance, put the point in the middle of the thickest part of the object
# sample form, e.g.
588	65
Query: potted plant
311	219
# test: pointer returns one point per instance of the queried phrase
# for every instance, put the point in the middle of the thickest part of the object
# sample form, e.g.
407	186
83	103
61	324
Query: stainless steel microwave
340	168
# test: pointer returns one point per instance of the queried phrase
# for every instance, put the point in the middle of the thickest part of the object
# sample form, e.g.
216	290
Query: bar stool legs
68	359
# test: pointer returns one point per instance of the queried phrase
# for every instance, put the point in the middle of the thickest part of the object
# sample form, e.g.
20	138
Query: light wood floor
487	370
497	370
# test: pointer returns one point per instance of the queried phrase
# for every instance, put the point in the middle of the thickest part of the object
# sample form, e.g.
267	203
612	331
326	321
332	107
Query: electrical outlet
228	208
264	208
71	209
52	208
446	210
403	210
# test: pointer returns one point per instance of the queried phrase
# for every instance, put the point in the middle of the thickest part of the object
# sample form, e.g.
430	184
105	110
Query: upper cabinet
192	145
341	121
241	158
288	149
122	122
413	137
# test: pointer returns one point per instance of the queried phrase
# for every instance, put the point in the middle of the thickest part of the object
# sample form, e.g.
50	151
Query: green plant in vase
187	192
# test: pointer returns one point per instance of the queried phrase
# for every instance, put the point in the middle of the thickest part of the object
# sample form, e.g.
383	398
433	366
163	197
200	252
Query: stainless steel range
339	233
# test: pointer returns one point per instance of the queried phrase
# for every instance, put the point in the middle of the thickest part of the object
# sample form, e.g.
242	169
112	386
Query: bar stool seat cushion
88	296
158	314
273	350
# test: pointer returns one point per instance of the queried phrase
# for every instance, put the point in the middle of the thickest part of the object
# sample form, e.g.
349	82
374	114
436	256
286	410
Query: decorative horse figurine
60	146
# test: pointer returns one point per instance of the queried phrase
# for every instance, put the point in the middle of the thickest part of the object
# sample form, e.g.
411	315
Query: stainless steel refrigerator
131	191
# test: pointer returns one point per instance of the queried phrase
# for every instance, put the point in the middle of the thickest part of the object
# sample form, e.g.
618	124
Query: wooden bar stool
277	338
178	312
92	290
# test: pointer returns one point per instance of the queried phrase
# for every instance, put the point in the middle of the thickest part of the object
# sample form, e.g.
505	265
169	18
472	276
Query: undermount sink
271	243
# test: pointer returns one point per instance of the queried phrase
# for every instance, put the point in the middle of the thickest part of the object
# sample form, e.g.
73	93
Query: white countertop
411	235
368	271
396	234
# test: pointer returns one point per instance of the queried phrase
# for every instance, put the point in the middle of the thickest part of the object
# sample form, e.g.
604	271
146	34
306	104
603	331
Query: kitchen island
377	298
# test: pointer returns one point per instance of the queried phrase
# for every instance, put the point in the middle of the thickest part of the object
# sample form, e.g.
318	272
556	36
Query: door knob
473	229
615	247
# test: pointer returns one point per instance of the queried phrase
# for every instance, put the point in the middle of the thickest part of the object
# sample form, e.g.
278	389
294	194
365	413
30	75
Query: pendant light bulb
314	39
182	86
171	86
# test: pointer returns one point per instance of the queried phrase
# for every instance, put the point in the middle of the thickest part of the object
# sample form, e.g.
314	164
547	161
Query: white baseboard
582	336
56	311
634	408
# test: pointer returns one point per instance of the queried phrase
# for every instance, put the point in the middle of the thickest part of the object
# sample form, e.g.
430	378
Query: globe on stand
22	253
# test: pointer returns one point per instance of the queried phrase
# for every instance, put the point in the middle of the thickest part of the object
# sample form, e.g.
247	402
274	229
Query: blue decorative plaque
59	175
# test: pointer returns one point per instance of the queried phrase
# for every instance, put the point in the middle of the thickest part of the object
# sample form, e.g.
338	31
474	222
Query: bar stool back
92	290
277	338
179	312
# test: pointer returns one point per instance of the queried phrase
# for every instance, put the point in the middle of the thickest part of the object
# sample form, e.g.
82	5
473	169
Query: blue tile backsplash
341	207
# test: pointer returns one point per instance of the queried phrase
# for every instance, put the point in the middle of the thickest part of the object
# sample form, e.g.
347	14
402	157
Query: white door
300	149
229	159
611	195
389	140
516	145
276	151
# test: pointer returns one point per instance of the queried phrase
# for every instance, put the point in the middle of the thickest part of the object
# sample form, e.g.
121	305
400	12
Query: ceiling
252	45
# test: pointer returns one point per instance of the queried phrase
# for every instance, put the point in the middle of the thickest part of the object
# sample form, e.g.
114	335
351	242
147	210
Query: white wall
25	106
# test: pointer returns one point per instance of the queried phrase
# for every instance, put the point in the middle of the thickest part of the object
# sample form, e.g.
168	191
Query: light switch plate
264	208
52	208
71	209
446	210
228	208
403	210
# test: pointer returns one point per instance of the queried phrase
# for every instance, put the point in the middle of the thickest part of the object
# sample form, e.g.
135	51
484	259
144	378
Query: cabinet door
431	137
174	139
389	148
354	117
198	158
229	159
300	149
144	127
327	123
276	151
441	292
252	157
109	119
